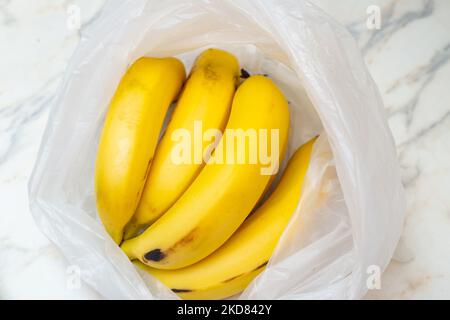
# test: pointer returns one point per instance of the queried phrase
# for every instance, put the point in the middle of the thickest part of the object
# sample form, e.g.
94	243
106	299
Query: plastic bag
351	214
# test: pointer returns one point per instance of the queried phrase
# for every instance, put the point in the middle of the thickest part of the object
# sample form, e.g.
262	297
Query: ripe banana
130	135
225	192
206	98
233	266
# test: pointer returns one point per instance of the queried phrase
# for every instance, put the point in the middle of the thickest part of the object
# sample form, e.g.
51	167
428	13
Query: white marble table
408	58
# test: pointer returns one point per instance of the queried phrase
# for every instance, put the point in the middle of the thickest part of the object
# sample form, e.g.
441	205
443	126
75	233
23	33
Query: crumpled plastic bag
351	213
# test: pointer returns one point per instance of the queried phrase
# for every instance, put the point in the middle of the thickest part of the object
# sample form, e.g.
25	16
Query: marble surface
408	57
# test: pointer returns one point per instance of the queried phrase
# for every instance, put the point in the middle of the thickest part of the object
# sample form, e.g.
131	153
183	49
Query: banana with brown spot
206	99
225	192
233	266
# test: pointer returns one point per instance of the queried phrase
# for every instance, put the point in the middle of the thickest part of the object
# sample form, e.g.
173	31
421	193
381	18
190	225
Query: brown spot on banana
181	290
158	255
210	73
154	255
245	273
185	240
235	277
147	171
261	266
244	74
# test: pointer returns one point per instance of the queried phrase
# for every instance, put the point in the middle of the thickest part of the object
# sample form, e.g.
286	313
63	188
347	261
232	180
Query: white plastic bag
350	216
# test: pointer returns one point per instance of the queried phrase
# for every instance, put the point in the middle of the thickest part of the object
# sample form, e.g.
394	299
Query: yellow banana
233	266
206	99
227	188
130	135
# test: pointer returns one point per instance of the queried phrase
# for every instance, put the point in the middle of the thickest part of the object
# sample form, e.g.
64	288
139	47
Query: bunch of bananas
197	225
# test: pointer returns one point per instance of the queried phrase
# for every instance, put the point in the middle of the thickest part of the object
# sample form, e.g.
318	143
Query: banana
227	188
206	98
233	266
130	135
